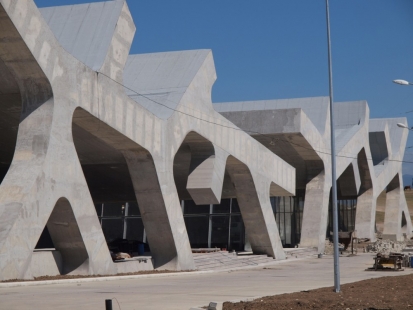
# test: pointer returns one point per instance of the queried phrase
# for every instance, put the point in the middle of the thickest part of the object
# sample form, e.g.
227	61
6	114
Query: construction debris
329	247
385	246
119	256
391	261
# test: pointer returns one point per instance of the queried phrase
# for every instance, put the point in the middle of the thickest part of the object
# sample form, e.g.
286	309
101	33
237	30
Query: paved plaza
186	290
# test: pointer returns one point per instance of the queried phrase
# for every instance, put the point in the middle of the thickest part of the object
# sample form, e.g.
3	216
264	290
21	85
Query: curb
143	276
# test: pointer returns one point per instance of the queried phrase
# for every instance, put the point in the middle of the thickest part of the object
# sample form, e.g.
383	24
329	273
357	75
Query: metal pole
333	162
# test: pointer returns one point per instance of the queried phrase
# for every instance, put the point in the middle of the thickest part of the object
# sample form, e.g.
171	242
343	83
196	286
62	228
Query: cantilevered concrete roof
158	81
85	30
316	108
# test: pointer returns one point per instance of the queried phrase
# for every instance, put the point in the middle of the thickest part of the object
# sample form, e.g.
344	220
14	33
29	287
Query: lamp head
401	82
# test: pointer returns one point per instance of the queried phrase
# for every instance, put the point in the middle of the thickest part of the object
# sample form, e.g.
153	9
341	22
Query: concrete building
97	144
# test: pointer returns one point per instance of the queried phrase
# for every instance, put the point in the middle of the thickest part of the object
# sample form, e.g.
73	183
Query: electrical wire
239	129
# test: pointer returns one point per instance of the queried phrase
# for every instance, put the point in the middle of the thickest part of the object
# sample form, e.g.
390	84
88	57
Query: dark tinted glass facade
220	225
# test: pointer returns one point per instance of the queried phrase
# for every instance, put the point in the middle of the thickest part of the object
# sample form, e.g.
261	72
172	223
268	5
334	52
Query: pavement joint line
143	276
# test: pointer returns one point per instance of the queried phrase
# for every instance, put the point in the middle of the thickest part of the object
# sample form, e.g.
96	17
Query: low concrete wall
49	263
134	265
46	263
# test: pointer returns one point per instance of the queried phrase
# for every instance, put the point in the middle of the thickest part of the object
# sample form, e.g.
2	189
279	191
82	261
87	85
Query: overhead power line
239	129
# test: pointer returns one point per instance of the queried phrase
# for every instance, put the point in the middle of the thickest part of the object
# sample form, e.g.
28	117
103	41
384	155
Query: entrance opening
346	207
99	148
288	212
208	225
215	225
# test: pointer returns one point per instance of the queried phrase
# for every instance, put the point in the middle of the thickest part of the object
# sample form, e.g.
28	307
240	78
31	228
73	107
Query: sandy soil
385	293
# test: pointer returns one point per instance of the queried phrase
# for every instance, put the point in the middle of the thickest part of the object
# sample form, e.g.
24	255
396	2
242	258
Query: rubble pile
329	247
385	246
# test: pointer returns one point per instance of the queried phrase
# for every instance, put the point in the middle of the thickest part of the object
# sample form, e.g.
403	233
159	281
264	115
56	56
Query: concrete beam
207	170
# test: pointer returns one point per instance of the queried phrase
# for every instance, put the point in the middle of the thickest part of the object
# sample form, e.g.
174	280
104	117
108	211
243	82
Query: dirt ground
384	293
376	294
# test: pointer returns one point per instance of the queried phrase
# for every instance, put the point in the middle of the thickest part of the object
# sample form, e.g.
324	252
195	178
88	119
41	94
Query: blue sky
271	49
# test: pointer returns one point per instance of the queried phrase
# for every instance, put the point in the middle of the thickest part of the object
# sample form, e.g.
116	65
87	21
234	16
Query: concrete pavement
183	291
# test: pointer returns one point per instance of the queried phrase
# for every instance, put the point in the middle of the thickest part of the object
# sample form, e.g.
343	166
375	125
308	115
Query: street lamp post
333	161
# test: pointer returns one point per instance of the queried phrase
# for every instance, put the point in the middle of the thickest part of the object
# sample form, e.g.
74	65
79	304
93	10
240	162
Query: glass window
112	229
134	229
235	206
191	208
288	212
133	208
197	228
98	208
113	209
346	215
223	207
220	231
237	233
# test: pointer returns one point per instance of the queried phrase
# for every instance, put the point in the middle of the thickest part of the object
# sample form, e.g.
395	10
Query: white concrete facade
72	96
63	95
369	158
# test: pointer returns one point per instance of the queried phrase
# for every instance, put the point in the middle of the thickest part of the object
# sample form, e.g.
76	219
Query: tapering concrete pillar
254	203
393	210
407	229
366	215
366	201
163	220
315	214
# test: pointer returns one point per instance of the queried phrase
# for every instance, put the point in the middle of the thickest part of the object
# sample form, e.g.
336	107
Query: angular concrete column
407	229
164	224
259	221
40	174
206	177
366	215
366	201
393	210
315	214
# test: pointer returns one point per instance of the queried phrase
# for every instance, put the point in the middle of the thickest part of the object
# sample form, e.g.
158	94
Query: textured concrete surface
369	155
74	102
71	88
183	291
